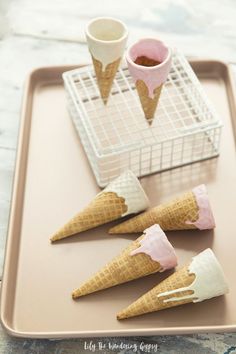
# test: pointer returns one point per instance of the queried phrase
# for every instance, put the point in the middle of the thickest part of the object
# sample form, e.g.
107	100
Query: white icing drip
209	279
106	38
127	186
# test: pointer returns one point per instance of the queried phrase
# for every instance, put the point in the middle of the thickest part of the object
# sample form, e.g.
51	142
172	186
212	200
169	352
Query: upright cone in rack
150	253
121	197
149	104
106	38
105	78
191	210
149	62
202	279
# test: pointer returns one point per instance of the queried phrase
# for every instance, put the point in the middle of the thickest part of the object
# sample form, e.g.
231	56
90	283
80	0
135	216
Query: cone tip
56	237
149	120
75	294
112	230
53	239
105	100
121	316
60	235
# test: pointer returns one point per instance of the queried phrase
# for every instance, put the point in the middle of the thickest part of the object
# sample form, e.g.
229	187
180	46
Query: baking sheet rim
22	145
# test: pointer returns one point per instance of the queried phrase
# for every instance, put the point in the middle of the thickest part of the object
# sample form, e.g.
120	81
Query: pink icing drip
156	245
153	76
206	219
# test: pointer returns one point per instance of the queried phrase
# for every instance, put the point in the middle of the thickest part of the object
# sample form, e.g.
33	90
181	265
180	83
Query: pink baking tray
53	180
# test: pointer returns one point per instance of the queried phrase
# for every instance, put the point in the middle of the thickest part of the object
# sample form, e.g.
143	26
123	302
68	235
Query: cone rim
123	37
148	68
140	187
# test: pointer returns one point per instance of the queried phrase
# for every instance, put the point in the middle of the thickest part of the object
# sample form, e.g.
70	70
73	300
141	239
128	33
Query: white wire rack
117	136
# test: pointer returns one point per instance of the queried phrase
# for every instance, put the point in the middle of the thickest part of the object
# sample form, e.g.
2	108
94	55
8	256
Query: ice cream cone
121	197
149	104
200	280
189	211
149	302
106	38
150	253
149	62
105	78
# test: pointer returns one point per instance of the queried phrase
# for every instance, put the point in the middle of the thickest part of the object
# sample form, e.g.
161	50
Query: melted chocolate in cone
145	61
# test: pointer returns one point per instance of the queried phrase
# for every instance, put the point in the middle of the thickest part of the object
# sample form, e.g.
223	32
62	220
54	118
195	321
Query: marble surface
41	33
194	344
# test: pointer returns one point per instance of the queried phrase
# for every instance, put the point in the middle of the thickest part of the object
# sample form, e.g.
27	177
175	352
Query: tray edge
49	74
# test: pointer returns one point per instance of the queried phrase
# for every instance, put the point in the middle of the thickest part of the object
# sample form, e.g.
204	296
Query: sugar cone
170	216
121	269
202	279
149	104
150	301
105	78
106	206
122	196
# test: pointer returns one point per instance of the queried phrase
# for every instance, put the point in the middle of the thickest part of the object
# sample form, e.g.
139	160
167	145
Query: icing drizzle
156	245
209	279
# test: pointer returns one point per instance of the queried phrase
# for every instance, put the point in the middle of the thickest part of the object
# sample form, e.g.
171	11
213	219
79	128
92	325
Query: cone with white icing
121	197
106	38
149	62
200	280
191	210
150	253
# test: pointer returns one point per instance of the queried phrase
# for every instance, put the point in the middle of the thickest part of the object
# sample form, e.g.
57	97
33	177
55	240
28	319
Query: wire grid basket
117	137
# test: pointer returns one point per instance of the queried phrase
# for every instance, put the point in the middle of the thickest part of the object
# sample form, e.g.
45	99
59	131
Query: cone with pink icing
150	253
106	38
201	279
149	62
191	210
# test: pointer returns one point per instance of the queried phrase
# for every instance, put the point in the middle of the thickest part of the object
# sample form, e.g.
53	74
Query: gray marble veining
192	344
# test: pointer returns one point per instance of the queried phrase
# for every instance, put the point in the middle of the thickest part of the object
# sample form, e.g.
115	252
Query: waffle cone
149	105
149	302
105	78
121	269
106	206
170	216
